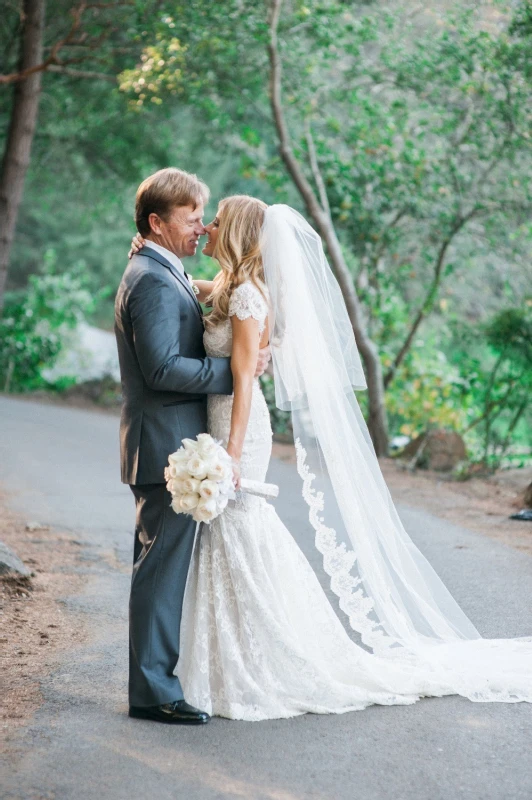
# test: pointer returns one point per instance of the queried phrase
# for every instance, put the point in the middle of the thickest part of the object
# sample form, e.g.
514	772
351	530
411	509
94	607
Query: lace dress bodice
246	301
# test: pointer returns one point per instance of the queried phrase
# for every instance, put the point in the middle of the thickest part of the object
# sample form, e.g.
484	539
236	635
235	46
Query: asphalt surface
60	467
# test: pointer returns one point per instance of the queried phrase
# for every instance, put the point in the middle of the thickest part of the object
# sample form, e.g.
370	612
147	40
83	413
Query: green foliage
421	133
427	392
495	359
421	127
510	334
34	324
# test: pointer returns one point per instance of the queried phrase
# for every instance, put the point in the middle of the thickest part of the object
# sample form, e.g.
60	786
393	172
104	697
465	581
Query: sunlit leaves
162	65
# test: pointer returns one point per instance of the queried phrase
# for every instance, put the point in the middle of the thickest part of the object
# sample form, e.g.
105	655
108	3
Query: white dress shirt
171	257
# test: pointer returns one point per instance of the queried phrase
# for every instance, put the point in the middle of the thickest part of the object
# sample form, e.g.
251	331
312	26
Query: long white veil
392	596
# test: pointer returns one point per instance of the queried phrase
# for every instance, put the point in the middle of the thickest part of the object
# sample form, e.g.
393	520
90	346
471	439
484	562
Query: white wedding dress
259	638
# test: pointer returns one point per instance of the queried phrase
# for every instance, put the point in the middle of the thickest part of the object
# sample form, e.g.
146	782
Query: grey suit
165	379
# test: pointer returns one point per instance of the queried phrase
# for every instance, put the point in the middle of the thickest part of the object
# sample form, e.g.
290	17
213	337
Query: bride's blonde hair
237	250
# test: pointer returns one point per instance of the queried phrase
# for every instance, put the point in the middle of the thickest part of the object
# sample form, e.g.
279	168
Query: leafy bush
34	323
427	392
496	360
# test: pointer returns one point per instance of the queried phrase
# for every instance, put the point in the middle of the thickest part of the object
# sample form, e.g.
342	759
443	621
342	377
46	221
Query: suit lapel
183	280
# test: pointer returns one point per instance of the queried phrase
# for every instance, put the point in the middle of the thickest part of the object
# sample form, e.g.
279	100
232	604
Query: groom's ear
154	221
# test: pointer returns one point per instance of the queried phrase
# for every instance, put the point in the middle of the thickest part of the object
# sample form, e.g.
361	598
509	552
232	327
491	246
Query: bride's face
212	235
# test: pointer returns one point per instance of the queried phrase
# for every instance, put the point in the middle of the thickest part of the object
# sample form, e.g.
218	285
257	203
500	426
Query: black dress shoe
177	713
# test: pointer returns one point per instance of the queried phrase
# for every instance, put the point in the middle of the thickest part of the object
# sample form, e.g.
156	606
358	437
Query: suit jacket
165	373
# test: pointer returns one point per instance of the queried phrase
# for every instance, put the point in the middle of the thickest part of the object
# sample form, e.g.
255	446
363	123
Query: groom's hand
262	361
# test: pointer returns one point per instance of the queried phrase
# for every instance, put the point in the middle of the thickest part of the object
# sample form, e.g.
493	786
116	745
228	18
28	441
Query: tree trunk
377	421
16	157
377	418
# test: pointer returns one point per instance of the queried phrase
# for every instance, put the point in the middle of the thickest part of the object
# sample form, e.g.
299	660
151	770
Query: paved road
61	467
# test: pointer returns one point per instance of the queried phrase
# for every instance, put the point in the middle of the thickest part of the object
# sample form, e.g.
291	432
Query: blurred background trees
410	127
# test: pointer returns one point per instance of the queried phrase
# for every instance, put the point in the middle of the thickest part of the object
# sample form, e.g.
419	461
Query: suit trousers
161	557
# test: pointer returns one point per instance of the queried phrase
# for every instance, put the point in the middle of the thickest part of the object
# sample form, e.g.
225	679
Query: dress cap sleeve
247	301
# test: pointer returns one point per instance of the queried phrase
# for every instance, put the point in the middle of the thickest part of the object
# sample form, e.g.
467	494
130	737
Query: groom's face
181	230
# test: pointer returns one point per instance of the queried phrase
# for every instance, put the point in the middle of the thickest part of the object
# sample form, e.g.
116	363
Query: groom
166	378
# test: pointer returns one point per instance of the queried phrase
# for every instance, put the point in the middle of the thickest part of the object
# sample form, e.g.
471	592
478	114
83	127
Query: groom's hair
163	191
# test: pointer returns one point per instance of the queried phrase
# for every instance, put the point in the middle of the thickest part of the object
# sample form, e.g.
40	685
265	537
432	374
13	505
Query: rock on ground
10	563
438	449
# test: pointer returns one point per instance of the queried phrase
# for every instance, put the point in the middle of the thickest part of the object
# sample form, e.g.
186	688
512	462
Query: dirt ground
480	504
34	625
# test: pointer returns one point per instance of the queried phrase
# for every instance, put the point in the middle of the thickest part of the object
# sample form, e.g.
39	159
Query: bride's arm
243	365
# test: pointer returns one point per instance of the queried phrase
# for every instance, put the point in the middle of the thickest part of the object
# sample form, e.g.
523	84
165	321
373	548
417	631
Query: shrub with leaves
36	321
427	392
496	360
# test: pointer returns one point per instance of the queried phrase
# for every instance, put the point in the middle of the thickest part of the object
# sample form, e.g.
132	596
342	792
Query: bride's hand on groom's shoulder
137	243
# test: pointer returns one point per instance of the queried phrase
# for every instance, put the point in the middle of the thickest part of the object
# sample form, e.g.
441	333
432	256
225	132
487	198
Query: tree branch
398	216
316	172
513	423
70	40
53	58
429	297
377	413
76	73
464	126
495	160
285	146
489	405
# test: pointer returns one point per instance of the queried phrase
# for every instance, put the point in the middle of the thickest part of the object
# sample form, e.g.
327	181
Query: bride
259	638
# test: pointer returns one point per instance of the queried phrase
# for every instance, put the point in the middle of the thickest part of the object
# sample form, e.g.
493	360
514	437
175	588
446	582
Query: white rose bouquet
199	476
